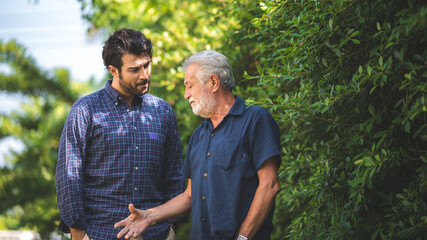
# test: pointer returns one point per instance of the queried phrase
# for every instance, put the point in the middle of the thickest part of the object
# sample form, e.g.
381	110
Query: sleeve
68	177
173	181
265	137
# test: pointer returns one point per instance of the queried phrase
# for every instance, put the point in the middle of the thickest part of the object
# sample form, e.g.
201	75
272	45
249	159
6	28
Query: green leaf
355	41
369	127
407	127
324	62
355	34
368	161
371	109
358	162
396	54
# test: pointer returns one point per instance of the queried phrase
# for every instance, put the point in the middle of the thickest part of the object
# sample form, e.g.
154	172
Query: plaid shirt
111	155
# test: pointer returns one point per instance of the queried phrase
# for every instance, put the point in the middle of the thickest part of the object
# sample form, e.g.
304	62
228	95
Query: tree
178	29
27	187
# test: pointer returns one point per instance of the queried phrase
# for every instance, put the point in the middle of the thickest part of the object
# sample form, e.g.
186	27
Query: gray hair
212	62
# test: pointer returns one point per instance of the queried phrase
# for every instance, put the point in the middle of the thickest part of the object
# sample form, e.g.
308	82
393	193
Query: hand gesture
134	224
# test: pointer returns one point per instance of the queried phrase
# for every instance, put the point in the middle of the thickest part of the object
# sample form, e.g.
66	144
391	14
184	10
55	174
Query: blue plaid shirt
111	155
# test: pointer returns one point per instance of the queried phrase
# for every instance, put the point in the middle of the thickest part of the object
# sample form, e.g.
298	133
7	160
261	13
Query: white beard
205	106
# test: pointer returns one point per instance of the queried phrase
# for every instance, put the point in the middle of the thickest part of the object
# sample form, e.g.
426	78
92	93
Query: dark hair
125	41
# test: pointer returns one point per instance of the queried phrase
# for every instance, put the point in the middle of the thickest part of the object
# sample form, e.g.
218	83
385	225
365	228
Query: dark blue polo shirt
222	164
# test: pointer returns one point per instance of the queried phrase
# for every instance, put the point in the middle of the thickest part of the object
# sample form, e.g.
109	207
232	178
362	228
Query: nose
143	74
186	94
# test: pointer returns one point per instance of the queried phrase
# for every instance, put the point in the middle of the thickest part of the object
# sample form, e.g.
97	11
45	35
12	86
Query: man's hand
134	224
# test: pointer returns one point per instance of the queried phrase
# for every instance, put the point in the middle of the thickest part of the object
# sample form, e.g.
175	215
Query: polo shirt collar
238	107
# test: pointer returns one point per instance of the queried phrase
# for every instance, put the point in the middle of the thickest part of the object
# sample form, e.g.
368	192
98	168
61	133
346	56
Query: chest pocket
232	152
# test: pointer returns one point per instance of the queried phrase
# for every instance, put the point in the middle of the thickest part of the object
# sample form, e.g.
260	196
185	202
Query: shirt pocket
153	144
232	152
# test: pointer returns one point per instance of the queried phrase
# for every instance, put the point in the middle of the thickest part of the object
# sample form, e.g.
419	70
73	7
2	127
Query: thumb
132	208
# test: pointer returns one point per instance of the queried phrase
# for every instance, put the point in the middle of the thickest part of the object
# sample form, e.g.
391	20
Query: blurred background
55	35
344	79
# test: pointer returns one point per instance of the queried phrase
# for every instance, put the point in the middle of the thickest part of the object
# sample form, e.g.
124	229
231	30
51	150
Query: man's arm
139	220
68	177
264	198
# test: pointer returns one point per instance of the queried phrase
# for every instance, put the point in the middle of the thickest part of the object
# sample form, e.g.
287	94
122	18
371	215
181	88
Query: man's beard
133	90
205	105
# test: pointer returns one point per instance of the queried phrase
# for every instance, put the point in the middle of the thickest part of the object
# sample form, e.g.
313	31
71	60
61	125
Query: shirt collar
111	91
238	107
116	96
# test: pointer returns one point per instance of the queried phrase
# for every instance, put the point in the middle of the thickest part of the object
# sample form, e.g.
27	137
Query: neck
126	96
225	100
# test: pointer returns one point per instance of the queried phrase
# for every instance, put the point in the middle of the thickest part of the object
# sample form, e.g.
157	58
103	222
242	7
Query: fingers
120	224
122	232
128	233
133	225
123	222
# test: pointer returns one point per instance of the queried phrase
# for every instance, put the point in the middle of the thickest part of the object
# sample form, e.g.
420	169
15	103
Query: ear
114	71
215	82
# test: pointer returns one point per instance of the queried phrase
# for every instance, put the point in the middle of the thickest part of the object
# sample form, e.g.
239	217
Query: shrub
346	80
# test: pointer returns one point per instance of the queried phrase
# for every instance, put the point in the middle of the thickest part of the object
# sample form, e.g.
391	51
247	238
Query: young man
231	165
118	145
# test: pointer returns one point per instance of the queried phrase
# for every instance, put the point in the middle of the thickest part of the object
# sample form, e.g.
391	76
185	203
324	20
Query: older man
231	165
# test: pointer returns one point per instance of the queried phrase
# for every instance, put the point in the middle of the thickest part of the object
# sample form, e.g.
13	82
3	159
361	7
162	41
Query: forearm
263	200
176	207
259	210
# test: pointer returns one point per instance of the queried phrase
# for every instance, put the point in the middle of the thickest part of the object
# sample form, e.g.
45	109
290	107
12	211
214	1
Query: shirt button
209	154
205	175
136	147
212	134
203	219
203	198
117	103
136	168
127	110
136	189
134	128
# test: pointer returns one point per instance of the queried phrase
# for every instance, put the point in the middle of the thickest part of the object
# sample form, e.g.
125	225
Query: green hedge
346	80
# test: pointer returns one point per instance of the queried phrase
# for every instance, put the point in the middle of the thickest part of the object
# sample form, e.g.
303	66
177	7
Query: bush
346	82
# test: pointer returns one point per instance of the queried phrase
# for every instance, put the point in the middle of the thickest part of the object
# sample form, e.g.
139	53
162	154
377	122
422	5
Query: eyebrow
139	66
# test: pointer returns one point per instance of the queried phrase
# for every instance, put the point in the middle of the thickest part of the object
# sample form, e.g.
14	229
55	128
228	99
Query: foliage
177	29
345	79
27	187
346	82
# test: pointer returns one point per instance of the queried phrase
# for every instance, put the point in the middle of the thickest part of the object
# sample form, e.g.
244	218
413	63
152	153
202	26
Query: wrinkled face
134	77
201	100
